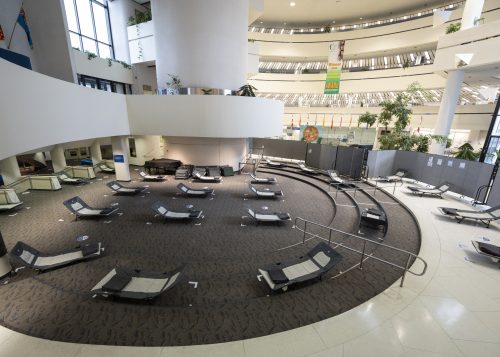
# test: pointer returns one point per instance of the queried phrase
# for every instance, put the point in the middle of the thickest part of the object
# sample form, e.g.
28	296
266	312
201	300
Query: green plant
368	119
207	91
110	62
251	40
466	152
406	64
246	90
90	55
140	17
453	28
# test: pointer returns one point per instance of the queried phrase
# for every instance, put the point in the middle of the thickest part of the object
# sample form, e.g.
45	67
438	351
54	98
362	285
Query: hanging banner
332	84
2	38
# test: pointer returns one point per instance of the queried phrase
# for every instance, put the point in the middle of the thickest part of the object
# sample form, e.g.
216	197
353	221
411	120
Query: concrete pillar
203	42
58	158
121	157
9	170
119	12
95	152
48	157
447	109
472	11
5	266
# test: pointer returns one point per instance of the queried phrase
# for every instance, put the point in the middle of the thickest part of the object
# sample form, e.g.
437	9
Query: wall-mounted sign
311	134
118	158
332	83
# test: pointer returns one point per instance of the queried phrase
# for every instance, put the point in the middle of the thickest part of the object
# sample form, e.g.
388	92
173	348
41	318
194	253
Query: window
88	26
104	84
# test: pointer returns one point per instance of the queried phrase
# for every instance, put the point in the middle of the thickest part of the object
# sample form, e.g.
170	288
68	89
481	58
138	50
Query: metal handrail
406	268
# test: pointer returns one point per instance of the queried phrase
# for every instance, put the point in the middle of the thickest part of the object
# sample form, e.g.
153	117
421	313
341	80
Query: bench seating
485	216
163	211
120	189
437	191
81	209
266	193
195	192
148	177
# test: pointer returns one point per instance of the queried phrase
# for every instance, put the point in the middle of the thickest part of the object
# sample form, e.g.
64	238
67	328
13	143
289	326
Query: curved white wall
38	111
205	116
203	42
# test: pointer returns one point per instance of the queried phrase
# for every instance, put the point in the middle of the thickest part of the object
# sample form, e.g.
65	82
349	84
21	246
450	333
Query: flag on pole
23	22
2	38
331	126
300	120
315	119
340	121
350	122
292	121
323	125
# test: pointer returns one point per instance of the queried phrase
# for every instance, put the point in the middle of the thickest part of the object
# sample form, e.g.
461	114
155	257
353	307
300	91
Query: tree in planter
173	85
466	152
246	91
368	119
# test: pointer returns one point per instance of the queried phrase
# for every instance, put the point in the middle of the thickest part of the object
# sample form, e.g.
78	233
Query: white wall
204	116
47	22
206	151
37	111
147	148
99	68
144	75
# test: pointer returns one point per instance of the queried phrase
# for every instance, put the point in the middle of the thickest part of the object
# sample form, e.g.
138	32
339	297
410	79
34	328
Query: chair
485	216
120	189
274	163
163	211
64	178
81	209
267	193
438	190
197	175
136	284
307	170
195	192
489	250
276	217
256	179
337	181
9	199
312	265
34	259
105	168
148	177
397	177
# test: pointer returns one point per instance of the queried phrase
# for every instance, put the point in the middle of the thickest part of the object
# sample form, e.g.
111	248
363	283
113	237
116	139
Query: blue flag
23	22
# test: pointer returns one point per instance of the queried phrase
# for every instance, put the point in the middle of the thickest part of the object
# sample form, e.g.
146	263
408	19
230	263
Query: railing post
394	189
362	255
305	230
404	272
330	237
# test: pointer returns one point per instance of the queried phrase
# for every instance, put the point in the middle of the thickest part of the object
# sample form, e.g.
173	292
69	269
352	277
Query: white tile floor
454	310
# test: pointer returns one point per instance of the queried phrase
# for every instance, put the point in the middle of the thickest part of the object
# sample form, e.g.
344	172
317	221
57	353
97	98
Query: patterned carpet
222	253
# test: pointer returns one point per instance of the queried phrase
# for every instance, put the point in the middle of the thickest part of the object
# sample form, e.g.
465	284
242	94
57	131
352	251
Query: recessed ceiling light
361	18
292	4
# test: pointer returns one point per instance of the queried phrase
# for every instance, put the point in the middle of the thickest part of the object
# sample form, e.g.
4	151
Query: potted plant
368	119
466	152
246	91
174	85
453	28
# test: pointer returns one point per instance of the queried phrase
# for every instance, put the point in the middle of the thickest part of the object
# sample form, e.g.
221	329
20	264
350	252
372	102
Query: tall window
88	25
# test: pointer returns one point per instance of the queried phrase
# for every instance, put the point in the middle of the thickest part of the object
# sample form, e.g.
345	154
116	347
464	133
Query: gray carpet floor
222	253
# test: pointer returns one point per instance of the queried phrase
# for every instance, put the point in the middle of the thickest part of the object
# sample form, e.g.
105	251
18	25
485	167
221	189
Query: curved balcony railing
352	27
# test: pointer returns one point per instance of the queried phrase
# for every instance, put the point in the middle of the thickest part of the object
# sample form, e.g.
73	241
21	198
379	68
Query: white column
58	158
9	170
447	109
121	157
203	42
95	152
472	11
47	156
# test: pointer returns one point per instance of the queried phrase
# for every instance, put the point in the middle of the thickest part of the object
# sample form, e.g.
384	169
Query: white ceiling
321	12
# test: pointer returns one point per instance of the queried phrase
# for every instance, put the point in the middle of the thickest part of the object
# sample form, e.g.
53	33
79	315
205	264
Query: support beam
58	158
95	152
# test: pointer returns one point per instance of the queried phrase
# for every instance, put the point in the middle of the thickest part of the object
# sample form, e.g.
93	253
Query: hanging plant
453	28
90	55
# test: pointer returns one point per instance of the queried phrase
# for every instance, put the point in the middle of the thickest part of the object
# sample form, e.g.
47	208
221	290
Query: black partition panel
280	148
349	161
494	199
466	176
328	157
